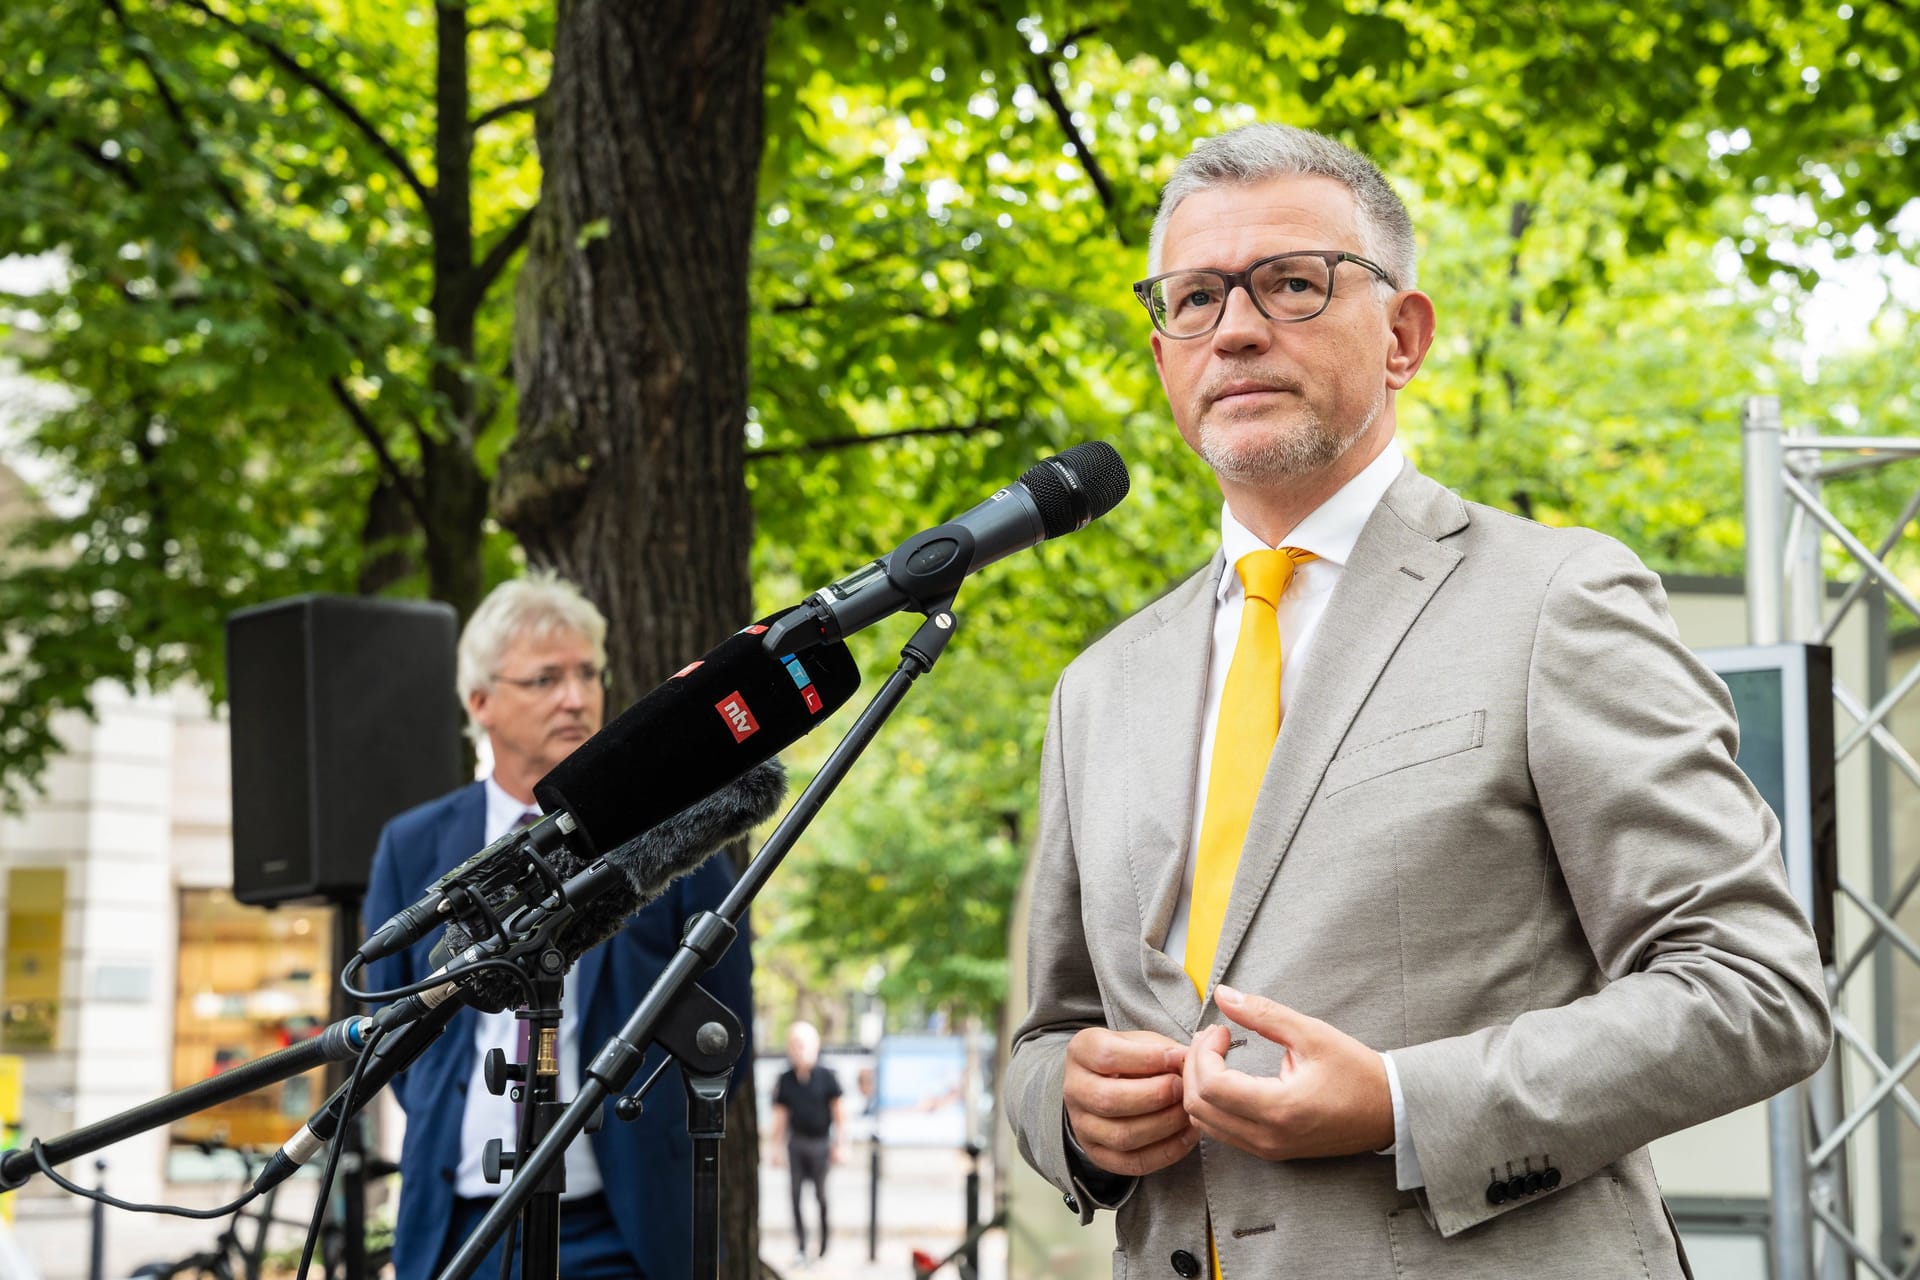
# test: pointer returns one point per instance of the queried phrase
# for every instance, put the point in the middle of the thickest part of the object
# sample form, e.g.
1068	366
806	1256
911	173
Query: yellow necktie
1242	743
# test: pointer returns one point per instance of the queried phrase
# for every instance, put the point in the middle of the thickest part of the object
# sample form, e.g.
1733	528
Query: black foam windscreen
1076	486
716	718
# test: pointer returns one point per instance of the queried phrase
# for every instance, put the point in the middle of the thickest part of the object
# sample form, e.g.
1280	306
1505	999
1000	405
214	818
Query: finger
1205	1058
1244	1134
1112	1053
1216	1087
1121	1096
1131	1134
1145	1160
1269	1018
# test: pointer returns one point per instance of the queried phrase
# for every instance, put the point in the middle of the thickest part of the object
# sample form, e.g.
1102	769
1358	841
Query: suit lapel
1165	691
461	839
1396	567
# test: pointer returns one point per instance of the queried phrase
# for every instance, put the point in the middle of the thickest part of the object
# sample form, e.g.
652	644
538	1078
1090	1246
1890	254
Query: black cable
333	1153
40	1158
430	982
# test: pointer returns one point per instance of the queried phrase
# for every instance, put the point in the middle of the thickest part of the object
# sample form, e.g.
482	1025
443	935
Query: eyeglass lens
551	678
1190	302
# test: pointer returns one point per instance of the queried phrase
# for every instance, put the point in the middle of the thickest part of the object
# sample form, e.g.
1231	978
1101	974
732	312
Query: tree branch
289	295
827	444
505	109
357	414
313	80
120	169
503	250
1043	81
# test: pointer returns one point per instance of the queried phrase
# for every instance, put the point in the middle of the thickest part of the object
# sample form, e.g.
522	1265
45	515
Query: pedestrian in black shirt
806	1111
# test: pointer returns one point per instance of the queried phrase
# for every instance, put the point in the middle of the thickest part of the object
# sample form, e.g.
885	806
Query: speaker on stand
342	713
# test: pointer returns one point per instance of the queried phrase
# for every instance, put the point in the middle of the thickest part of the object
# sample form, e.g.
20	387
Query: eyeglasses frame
601	680
1243	279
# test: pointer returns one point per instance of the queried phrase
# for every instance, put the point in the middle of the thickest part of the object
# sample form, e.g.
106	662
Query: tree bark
627	473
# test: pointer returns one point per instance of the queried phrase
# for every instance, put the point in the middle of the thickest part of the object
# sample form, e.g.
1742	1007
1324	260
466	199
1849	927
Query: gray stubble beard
1306	449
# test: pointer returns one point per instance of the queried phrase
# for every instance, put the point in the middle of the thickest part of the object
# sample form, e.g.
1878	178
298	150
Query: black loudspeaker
343	714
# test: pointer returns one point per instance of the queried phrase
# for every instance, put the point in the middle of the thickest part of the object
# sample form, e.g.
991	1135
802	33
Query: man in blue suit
531	667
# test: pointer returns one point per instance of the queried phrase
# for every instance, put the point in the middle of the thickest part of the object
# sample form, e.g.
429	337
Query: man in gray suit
1402	981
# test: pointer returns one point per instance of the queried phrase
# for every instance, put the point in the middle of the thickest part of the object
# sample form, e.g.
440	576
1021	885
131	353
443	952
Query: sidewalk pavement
922	1206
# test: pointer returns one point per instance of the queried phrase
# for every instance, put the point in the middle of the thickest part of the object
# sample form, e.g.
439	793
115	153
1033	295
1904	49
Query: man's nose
1242	327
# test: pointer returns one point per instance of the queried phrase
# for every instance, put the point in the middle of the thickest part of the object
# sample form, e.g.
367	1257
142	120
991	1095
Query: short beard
1307	448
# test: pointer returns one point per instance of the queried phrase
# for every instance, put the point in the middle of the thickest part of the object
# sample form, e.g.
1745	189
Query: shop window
30	987
251	981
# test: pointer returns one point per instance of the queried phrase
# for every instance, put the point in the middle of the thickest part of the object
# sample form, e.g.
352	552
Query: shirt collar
502	809
1331	529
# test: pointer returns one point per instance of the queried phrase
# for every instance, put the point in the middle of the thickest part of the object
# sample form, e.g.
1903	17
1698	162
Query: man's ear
477	707
1410	323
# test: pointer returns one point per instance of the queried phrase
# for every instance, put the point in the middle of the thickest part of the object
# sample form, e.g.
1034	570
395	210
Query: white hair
536	607
1257	152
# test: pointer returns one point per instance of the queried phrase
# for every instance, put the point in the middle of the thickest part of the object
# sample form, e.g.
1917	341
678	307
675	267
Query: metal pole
97	1263
1791	1218
1879	781
873	1199
972	1236
1831	1183
1766	501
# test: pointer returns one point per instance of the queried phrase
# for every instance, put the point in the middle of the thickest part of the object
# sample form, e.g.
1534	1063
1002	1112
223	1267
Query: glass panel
30	986
252	981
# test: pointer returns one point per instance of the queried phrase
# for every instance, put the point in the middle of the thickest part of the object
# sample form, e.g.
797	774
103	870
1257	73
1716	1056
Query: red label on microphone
812	695
755	630
740	721
695	665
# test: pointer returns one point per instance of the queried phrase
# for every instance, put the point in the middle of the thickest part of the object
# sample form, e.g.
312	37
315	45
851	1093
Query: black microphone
646	866
712	721
715	719
1057	495
603	893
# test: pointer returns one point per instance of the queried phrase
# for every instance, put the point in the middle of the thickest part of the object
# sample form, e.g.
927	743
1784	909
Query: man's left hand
1330	1098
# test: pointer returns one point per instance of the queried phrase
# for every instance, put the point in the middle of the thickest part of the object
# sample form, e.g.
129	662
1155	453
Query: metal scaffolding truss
1828	1158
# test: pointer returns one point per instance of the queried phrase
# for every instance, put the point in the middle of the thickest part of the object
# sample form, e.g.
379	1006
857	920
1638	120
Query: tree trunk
627	473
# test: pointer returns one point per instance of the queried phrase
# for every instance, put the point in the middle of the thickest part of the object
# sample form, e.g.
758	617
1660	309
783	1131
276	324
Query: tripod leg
706	1125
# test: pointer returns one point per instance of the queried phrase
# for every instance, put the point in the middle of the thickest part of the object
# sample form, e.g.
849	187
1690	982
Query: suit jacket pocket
1581	1232
1431	741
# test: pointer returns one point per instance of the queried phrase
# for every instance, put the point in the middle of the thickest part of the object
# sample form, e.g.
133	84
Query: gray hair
537	607
1257	152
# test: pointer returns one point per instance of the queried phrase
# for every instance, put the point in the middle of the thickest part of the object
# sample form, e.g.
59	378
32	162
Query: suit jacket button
1516	1186
1497	1191
1549	1179
1070	1202
1185	1264
446	1175
1535	1182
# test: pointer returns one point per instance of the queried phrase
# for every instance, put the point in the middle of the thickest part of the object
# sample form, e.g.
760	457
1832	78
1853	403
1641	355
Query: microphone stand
342	1041
713	1043
536	1088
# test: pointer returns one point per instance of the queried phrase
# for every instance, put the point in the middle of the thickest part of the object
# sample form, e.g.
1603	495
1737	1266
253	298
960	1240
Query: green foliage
954	198
248	301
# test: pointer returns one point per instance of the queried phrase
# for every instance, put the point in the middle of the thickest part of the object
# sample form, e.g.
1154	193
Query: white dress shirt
490	1115
1330	532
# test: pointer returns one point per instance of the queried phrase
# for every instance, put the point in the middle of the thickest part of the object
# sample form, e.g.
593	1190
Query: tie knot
1265	574
526	819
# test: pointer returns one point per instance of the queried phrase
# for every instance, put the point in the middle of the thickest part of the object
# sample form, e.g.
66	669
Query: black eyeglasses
1288	287
549	679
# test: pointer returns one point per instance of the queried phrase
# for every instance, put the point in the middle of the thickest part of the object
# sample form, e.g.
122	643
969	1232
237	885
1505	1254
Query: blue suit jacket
646	1164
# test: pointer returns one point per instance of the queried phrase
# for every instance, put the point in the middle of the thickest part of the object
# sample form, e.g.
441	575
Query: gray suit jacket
1502	836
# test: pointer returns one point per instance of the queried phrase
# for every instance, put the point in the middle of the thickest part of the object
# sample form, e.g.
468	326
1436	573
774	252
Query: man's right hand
1124	1098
